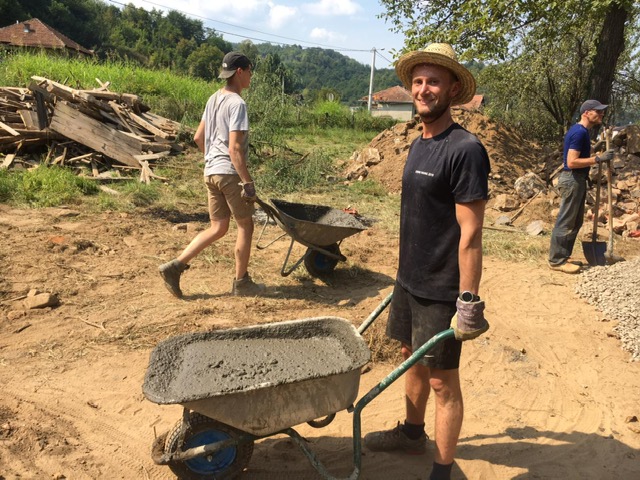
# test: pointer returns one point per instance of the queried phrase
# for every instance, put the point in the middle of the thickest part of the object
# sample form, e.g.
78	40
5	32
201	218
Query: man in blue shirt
572	183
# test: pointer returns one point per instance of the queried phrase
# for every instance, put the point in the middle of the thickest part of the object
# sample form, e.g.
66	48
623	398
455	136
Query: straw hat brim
406	64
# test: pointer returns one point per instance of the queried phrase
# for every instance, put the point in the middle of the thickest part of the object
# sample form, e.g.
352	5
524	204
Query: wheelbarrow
319	228
239	385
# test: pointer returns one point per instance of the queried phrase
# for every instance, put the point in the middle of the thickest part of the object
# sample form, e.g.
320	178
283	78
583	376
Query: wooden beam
89	132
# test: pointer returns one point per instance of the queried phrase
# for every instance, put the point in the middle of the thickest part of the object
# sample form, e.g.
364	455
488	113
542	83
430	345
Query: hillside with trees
185	46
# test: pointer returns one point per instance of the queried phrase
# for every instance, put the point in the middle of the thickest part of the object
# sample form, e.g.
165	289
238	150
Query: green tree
204	62
496	29
247	48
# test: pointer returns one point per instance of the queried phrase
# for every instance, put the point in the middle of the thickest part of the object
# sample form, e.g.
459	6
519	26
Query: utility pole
373	67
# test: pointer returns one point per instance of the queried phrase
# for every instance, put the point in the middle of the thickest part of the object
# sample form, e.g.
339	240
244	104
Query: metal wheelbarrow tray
261	379
319	228
243	384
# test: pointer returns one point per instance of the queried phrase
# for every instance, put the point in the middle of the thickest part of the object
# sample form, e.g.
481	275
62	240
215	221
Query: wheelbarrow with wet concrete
240	385
319	228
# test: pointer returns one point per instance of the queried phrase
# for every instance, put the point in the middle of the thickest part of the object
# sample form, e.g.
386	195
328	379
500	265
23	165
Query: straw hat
438	54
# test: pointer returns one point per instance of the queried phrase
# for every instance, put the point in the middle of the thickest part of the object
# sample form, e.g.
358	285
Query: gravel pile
615	290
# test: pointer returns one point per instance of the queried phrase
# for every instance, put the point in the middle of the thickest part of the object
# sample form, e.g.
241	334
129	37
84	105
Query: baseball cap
592	105
231	62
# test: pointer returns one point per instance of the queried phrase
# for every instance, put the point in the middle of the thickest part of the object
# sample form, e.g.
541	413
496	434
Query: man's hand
469	321
249	192
606	156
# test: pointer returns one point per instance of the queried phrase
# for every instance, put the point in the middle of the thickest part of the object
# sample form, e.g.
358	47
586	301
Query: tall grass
173	96
44	187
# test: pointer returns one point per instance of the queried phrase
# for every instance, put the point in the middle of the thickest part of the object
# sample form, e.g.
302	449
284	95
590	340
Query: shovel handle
609	191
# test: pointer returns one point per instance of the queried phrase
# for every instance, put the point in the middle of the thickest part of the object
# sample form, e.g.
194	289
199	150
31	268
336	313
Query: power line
343	49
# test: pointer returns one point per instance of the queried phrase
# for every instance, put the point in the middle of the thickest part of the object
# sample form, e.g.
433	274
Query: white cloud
322	34
279	15
333	7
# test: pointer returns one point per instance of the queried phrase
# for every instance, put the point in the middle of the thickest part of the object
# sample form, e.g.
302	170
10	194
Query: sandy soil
548	389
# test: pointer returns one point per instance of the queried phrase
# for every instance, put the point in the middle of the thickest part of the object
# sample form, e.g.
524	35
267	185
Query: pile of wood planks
98	129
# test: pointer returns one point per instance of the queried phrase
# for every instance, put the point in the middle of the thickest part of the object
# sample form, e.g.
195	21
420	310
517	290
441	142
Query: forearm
238	155
239	161
470	217
470	264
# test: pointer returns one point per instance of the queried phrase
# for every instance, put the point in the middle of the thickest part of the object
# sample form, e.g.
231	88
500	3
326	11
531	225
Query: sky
351	27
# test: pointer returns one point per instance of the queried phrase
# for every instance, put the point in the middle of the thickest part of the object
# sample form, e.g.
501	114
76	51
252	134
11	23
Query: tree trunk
609	49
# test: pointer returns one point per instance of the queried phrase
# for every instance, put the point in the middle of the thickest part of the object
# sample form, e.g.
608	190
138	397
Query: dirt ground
548	391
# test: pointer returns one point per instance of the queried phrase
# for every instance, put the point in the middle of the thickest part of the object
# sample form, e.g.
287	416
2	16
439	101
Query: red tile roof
34	33
475	103
395	94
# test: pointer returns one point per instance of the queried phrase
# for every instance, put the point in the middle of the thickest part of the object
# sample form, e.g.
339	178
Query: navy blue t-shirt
450	168
577	138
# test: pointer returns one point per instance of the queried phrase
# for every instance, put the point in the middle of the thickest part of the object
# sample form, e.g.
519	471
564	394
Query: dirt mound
511	156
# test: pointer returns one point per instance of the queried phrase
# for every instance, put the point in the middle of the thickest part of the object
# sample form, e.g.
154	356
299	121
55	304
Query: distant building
36	35
394	102
476	102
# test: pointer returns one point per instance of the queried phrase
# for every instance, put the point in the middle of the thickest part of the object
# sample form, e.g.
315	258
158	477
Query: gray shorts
414	320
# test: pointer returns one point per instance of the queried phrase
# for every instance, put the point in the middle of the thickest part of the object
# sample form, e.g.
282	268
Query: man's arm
470	217
574	160
239	155
199	137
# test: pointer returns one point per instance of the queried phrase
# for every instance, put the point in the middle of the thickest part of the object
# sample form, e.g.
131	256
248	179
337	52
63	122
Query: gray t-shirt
224	113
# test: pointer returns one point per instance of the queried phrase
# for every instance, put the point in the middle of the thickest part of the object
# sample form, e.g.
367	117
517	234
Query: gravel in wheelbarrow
264	378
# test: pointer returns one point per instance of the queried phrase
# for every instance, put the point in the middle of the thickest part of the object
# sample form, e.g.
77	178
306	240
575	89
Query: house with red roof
36	35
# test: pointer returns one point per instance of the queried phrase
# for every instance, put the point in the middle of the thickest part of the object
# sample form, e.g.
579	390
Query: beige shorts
225	197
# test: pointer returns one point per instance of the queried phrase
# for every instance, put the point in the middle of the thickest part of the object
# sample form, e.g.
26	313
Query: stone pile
614	291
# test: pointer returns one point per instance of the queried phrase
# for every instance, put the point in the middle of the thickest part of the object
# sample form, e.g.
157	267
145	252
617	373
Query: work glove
605	156
469	321
249	192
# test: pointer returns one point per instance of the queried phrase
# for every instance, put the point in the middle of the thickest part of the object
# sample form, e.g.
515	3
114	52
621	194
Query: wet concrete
207	364
318	214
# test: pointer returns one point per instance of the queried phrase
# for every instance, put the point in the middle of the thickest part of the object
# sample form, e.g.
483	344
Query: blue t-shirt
577	138
450	168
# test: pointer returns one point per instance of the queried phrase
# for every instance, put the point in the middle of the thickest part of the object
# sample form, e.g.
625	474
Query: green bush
285	175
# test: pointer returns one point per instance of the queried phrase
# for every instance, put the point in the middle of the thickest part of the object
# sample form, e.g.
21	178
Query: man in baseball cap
592	105
444	192
223	137
231	62
572	184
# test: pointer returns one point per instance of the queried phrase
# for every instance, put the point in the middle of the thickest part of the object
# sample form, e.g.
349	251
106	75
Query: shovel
594	251
609	256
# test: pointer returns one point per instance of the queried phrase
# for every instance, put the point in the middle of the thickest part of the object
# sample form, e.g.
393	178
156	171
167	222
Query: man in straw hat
444	192
223	138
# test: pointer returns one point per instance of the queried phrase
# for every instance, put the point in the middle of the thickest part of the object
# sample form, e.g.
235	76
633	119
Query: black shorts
414	320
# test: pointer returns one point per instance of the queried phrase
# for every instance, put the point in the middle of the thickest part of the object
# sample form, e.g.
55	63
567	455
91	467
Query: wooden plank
151	156
89	132
150	126
8	161
7	128
30	119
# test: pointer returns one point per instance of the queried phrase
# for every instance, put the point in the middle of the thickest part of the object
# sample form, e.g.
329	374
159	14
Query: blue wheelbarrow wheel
225	464
318	264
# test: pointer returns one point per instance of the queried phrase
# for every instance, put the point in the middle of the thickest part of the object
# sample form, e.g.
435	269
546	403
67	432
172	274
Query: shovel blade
594	253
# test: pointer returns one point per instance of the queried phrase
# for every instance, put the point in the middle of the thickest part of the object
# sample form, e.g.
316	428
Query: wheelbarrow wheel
224	464
318	264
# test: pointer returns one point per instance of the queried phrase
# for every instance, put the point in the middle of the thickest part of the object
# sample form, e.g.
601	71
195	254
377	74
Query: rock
41	300
535	228
631	419
506	203
528	185
503	220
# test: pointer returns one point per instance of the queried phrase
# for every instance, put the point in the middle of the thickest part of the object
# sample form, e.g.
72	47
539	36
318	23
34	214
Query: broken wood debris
96	130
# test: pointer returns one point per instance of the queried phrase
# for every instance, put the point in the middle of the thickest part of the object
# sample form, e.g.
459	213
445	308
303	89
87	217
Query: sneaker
170	273
565	268
247	287
395	439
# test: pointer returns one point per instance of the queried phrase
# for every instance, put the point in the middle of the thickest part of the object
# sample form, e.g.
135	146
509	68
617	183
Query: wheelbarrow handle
269	210
375	314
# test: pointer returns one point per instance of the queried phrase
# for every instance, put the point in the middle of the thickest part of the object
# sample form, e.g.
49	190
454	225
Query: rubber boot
170	273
